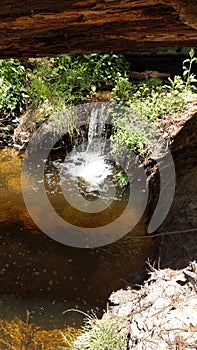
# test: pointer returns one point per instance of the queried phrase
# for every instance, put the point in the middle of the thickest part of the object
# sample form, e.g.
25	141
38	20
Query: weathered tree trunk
39	28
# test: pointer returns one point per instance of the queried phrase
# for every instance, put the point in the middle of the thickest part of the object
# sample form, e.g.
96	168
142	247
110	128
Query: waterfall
95	168
96	139
90	164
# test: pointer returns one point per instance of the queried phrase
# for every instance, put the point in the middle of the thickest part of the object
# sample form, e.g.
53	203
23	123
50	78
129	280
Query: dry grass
19	335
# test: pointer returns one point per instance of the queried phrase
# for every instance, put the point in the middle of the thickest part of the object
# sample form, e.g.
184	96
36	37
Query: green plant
13	95
180	88
48	84
12	88
121	177
42	84
147	103
69	79
123	91
98	68
107	333
131	131
189	78
185	84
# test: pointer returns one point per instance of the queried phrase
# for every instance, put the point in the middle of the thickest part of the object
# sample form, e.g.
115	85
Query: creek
44	276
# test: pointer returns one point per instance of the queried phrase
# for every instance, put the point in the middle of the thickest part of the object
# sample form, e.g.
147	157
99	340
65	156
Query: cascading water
96	130
85	183
96	169
91	169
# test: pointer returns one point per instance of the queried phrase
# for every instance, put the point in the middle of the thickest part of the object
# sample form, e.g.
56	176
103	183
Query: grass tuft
105	334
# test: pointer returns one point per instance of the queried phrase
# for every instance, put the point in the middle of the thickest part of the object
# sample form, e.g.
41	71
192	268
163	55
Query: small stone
114	301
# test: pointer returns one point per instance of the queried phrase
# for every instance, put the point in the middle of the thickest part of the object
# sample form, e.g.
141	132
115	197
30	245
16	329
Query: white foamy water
96	171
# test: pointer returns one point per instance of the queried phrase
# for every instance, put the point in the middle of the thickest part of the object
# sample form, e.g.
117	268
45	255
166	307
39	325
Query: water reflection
34	267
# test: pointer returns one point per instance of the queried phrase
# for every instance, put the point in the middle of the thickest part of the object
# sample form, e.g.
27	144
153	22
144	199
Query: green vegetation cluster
13	96
144	105
50	84
72	79
150	100
99	334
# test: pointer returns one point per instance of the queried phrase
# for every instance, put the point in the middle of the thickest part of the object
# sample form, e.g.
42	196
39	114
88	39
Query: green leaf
191	53
185	72
186	61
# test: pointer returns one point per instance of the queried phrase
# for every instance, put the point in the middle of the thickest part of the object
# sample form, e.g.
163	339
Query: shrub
13	95
70	79
148	102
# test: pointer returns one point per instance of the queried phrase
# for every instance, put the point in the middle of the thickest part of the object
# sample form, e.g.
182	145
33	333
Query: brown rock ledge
34	28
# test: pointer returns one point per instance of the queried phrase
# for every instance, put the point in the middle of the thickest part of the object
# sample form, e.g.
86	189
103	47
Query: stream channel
44	276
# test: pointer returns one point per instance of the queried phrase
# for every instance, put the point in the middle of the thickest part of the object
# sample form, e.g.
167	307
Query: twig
162	234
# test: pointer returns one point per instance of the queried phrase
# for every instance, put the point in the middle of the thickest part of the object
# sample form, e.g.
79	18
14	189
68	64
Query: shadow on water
45	277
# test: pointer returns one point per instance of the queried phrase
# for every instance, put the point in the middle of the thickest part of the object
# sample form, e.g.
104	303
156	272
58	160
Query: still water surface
45	277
